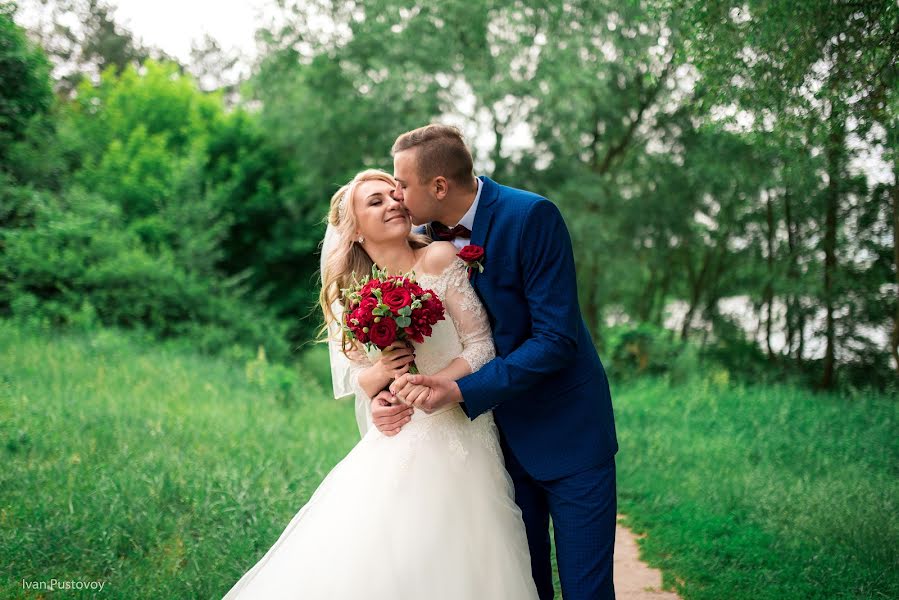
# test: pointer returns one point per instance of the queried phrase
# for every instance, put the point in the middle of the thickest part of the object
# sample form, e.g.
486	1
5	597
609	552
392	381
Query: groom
547	388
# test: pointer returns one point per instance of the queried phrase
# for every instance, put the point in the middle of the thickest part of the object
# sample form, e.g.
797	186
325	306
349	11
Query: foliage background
727	171
717	192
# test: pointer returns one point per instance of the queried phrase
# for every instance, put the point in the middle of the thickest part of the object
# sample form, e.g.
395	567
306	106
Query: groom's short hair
441	150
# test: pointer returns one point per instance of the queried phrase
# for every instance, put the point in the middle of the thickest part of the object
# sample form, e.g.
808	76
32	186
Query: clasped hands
392	408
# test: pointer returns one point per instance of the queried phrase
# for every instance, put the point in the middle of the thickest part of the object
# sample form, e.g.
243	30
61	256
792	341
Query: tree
841	68
85	50
25	90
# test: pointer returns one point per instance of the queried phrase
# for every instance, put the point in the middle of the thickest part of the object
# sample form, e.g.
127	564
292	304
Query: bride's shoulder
438	257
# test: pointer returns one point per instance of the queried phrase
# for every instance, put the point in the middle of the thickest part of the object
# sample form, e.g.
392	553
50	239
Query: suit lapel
483	219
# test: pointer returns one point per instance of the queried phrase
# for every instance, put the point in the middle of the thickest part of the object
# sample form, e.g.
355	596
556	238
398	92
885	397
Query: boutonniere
473	257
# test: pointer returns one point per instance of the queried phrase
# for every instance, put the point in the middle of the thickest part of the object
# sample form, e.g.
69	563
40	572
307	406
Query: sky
232	23
172	25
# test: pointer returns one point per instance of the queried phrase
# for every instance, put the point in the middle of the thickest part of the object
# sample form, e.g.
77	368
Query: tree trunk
696	288
592	308
646	301
688	320
769	283
499	163
835	151
800	327
791	273
659	316
617	149
894	339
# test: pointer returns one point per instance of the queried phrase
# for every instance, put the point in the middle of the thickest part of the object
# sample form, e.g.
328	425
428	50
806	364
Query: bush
80	265
643	350
731	349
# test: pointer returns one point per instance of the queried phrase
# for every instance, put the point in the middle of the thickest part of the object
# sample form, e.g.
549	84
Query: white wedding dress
428	514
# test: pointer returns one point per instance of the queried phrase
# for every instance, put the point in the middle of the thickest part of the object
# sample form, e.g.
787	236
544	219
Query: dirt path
634	579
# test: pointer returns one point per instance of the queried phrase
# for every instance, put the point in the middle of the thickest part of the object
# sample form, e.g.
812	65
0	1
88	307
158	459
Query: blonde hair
348	261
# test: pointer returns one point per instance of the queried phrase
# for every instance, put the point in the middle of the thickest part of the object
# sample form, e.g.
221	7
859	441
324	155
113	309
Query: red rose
383	334
471	253
365	316
368	304
397	298
355	322
355	319
425	329
431	310
415	335
368	287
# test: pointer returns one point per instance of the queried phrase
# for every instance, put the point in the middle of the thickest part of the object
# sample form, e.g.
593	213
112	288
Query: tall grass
167	474
158	471
762	492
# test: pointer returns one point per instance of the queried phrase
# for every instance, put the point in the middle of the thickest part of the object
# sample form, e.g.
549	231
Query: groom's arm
550	290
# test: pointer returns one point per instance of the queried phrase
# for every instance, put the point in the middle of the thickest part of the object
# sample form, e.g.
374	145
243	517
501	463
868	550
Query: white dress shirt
467	219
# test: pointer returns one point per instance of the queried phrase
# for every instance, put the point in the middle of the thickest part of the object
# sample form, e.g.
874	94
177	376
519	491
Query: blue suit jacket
547	387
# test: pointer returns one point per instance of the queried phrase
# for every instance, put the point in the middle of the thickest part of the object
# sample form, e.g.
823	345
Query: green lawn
161	472
762	492
166	474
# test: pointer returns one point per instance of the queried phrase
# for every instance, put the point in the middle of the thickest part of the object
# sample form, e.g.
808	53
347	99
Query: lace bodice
466	330
464	333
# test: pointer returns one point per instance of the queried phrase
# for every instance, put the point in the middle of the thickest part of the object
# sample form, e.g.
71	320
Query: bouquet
382	309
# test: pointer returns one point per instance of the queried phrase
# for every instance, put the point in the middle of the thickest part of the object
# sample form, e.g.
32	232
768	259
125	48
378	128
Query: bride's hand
395	360
389	416
412	395
442	391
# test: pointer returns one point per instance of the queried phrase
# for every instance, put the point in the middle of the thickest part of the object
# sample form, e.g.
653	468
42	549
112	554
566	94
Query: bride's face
379	217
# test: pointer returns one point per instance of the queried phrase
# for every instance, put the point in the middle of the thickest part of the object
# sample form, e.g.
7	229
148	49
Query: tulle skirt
426	514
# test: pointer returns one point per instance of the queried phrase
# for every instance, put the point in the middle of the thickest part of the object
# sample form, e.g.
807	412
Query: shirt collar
468	219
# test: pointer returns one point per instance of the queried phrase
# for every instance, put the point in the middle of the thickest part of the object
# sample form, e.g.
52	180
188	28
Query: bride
428	512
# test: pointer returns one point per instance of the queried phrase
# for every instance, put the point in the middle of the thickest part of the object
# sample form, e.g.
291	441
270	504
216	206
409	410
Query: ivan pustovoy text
59	584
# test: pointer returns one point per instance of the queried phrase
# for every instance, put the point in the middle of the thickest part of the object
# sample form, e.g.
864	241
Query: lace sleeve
363	400
345	379
469	317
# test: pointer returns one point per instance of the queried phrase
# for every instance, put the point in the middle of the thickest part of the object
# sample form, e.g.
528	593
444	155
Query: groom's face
417	197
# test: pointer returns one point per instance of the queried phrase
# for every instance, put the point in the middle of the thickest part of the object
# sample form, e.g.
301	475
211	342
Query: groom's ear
440	187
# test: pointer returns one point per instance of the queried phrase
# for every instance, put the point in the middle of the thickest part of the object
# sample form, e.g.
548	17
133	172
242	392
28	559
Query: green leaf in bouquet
403	321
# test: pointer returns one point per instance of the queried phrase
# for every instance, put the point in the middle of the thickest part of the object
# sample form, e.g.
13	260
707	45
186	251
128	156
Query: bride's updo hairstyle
347	259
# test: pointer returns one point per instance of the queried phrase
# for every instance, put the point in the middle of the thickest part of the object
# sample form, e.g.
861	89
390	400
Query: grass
163	473
762	492
166	474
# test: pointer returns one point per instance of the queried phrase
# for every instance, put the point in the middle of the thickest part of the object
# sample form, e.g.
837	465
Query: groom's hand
444	391
413	395
388	415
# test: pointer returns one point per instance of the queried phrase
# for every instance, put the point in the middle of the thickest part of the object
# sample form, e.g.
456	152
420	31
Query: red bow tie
444	234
